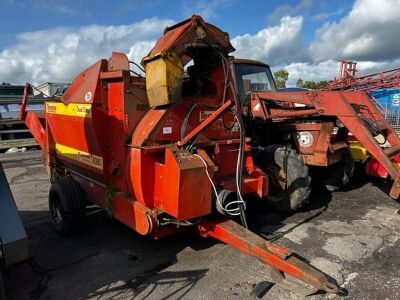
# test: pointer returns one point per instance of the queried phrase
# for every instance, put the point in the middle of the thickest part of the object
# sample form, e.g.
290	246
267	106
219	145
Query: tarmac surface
352	235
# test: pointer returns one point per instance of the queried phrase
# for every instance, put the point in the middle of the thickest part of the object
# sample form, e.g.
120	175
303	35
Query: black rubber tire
297	183
340	173
67	206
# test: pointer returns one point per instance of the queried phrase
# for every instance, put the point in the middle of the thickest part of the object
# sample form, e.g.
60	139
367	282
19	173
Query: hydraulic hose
239	169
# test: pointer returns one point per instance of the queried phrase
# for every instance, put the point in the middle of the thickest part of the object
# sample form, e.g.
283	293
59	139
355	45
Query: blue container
388	98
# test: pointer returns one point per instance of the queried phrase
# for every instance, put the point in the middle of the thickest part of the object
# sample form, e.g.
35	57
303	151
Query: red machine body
355	112
105	131
156	167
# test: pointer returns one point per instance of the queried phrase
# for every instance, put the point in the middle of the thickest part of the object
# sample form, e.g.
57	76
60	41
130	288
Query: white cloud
280	44
205	8
301	8
60	53
326	70
368	32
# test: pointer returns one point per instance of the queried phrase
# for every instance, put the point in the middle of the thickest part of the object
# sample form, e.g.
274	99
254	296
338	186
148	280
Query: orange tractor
171	149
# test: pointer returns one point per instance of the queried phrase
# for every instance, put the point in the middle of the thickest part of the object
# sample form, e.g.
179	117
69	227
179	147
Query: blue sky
236	17
50	40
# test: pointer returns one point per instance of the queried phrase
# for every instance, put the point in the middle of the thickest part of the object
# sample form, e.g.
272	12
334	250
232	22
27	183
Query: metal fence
392	115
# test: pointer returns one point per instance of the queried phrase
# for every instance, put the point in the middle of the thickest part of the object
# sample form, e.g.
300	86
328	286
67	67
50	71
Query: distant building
49	89
12	129
11	98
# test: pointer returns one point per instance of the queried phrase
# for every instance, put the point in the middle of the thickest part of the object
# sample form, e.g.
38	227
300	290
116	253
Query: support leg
269	253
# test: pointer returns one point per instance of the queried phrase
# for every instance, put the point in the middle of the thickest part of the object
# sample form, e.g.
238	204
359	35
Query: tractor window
251	78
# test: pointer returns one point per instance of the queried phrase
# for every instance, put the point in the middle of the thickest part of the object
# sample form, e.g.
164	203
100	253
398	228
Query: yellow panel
83	157
164	79
357	151
72	109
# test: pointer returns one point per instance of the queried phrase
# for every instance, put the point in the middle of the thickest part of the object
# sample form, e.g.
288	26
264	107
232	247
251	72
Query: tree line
281	77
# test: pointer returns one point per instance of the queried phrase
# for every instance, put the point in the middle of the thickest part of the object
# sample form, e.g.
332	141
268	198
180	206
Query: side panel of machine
182	188
75	137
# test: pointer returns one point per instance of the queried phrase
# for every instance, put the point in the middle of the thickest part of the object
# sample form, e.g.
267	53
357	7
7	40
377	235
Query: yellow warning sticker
72	109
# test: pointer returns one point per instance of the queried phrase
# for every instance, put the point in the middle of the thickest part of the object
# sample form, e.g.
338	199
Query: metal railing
392	115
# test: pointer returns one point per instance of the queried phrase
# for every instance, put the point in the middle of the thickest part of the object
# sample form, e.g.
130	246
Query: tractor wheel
340	173
67	206
289	182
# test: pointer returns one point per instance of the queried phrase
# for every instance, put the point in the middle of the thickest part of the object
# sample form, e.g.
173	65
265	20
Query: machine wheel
288	175
340	173
66	205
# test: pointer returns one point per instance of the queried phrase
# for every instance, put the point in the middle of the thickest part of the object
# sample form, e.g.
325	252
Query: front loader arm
352	109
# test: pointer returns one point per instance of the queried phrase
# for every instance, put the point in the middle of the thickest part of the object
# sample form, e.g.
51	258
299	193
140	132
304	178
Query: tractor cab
251	76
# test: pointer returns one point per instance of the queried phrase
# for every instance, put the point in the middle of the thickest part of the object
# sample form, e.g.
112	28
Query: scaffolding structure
350	79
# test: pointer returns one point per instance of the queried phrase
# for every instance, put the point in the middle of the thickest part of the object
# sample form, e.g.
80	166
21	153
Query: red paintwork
22	112
182	188
36	121
206	123
152	170
146	175
86	82
177	37
350	79
348	108
267	252
374	168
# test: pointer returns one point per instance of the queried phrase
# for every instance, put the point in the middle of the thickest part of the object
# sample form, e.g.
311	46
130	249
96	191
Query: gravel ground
351	235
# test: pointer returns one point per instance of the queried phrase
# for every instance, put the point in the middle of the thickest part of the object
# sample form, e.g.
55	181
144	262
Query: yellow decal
89	159
72	109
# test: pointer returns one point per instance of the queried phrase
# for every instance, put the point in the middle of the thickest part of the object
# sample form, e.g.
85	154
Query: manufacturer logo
84	110
90	159
305	138
50	108
88	96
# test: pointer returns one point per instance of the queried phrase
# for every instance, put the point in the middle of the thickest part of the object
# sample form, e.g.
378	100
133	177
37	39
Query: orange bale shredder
159	151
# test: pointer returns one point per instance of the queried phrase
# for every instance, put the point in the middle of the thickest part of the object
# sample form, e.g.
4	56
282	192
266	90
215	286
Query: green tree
281	76
312	85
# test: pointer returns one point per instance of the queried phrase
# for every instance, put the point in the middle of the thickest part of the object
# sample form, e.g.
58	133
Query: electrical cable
239	170
225	68
232	211
241	205
188	114
137	74
137	65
